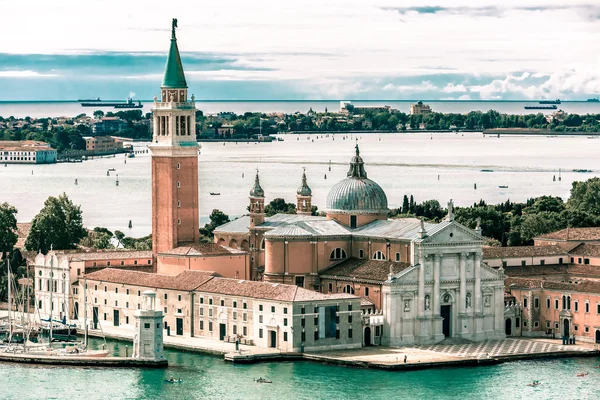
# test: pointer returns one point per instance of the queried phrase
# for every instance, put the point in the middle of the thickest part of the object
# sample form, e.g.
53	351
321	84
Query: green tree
8	227
405	205
585	196
494	224
279	206
59	224
217	218
98	114
537	224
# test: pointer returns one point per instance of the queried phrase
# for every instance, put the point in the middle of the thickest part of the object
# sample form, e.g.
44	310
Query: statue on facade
406	305
446	298
486	301
450	210
468	300
427	303
478	222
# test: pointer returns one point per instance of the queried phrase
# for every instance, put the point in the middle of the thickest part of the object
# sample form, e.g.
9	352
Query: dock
77	361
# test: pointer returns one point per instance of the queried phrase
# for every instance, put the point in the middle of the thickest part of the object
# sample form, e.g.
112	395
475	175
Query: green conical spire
174	76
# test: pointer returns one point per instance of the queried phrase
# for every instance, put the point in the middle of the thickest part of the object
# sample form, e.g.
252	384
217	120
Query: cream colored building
202	304
420	108
26	152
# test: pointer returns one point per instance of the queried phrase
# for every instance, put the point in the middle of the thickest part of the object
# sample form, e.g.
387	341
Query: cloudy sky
297	50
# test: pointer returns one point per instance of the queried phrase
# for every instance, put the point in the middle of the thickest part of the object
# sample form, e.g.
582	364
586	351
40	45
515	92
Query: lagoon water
41	109
209	377
440	166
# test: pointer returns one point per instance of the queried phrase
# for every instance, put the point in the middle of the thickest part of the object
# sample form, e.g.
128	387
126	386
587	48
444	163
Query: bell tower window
353	221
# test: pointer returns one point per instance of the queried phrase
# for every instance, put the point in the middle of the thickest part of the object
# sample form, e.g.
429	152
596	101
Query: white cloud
452	88
25	74
425	86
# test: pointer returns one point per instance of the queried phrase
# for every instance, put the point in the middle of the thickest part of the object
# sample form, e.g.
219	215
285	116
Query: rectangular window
576	306
209	326
504	264
201	325
210	312
330	287
260	333
350	318
285	310
178	297
260	319
536	302
575	327
349	307
303	311
272	308
105	316
201	300
108	263
234	315
303	337
300	281
579	260
586	261
235	304
285	322
587	307
117	290
127	304
542	262
597	308
556	304
587	329
366	291
361	253
350	333
244	317
244	331
146	325
127	292
165	310
536	324
548	324
560	260
316	336
572	260
210	300
523	263
179	311
316	321
139	293
201	310
244	305
222	303
316	310
337	334
260	307
548	302
303	322
285	336
235	329
166	296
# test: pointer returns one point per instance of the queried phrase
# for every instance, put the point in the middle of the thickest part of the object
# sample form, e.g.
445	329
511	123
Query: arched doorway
566	330
367	336
245	246
233	244
508	327
76	310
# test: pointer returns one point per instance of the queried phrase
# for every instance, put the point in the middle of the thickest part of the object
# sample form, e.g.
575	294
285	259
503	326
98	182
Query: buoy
242	174
554	178
125	161
438	177
76	181
31	172
475	186
117	179
107	173
325	176
130	224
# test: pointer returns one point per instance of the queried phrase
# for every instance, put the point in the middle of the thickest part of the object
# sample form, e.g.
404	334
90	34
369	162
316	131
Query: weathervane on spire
173	26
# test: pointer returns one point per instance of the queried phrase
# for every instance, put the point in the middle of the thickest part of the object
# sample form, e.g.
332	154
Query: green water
208	377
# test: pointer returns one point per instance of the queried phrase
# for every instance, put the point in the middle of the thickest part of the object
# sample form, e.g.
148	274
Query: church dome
357	194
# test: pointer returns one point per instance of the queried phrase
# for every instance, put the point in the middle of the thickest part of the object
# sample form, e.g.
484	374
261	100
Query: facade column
477	288
436	284
463	283
421	294
155	125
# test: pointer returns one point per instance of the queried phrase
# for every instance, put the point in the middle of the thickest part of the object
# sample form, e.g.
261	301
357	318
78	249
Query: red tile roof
574	234
109	255
583	286
201	249
491	253
23	229
586	250
186	280
364	269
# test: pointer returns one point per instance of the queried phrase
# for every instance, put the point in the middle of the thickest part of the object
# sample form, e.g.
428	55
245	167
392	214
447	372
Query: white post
436	284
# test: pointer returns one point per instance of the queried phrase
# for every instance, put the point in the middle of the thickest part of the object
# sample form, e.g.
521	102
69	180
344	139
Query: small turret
257	203
304	197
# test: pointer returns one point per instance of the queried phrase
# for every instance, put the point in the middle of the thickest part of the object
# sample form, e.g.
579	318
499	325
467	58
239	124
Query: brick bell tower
174	159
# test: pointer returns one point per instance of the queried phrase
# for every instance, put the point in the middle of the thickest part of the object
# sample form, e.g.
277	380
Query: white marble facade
447	292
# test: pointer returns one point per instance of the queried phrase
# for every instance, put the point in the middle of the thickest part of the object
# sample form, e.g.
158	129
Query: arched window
568	302
564	302
338	254
262	244
524	302
378	255
348	289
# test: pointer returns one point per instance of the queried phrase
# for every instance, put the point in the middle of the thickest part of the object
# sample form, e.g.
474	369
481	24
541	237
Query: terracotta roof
521	251
577	234
109	255
586	249
23	229
201	249
365	269
584	286
555	269
365	302
186	280
266	290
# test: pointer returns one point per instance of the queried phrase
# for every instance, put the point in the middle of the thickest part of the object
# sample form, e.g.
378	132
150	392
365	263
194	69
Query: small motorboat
215	194
503	187
262	380
130	155
582	374
534	383
174	380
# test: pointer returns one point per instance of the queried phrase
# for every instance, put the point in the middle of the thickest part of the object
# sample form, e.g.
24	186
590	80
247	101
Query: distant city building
556	116
347	107
420	108
226	129
103	145
26	152
108	125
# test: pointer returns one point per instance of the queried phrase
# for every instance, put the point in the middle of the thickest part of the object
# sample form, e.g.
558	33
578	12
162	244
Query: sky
303	50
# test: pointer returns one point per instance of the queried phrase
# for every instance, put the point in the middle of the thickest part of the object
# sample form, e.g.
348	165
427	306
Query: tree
546	203
494	224
537	224
405	205
8	227
98	114
58	224
585	196
217	218
279	206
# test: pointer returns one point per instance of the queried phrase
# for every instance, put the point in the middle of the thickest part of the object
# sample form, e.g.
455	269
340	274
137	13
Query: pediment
408	275
450	232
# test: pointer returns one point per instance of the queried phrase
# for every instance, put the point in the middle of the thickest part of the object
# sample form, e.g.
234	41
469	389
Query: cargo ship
594	100
99	103
557	101
552	107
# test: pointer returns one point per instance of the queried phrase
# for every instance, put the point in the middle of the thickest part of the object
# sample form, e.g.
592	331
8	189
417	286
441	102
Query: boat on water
130	155
100	103
215	194
174	380
594	100
503	187
552	107
97	99
557	101
582	170
262	380
487	170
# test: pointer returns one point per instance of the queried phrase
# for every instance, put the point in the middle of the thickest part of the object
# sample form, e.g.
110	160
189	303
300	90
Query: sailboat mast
10	327
51	290
85	326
